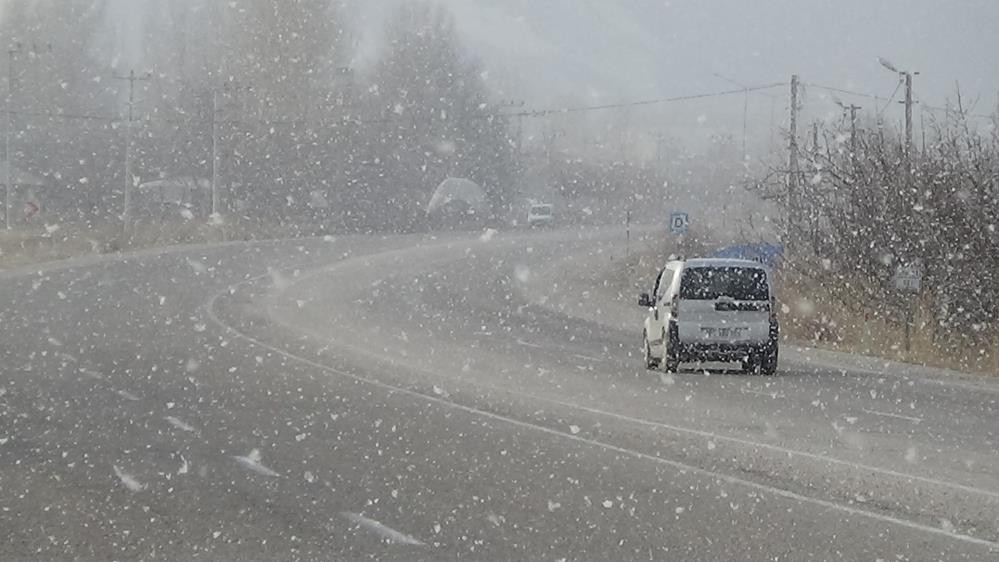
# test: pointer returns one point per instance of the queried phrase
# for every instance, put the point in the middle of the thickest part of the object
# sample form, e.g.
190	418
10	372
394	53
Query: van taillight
675	306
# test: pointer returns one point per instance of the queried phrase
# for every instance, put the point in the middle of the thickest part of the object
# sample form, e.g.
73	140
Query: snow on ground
252	462
128	480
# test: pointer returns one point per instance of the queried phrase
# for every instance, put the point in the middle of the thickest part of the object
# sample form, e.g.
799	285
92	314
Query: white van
711	310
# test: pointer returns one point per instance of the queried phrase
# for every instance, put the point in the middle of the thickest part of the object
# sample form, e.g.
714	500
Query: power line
389	119
845	91
640	103
884	99
891	99
939	109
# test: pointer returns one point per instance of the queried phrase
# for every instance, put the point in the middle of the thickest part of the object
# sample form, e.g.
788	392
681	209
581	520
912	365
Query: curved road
439	398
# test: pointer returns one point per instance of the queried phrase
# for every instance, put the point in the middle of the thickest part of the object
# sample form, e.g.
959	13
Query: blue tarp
769	254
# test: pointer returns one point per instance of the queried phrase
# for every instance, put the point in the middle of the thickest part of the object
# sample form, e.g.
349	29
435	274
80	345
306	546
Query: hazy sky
597	51
649	48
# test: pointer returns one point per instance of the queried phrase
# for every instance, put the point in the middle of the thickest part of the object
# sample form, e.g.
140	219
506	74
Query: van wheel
671	363
749	365
768	362
650	361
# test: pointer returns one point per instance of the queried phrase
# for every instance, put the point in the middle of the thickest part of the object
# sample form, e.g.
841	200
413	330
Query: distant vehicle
540	214
711	310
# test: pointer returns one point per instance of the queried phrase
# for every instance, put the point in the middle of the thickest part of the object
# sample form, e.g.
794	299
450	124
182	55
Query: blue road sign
679	221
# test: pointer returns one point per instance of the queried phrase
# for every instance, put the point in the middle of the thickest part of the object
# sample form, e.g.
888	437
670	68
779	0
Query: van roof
722	262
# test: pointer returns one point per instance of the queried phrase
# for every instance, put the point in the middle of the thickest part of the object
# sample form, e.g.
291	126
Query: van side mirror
645	300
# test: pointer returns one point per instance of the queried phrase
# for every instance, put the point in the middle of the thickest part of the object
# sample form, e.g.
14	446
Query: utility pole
908	116
745	117
745	109
9	188
520	120
773	108
906	77
852	108
922	129
520	133
813	208
215	153
126	206
660	140
792	179
227	101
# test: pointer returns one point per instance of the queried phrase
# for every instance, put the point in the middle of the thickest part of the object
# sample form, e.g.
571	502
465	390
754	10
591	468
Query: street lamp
885	63
906	76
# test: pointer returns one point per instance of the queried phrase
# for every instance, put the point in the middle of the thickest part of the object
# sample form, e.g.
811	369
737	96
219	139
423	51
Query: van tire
768	362
671	362
650	361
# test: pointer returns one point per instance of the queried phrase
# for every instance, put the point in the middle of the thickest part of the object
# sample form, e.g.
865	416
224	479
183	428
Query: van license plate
722	332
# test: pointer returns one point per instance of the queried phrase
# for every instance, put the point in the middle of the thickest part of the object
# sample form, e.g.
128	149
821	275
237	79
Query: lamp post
906	77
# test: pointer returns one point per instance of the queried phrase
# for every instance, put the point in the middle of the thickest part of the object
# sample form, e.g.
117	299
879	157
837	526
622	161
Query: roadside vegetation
863	206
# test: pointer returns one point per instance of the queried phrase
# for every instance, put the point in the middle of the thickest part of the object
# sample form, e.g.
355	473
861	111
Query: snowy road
424	399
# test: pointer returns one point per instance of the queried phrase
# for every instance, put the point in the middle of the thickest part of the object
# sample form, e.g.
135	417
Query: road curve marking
330	268
785	451
388	534
775	394
734	480
913	419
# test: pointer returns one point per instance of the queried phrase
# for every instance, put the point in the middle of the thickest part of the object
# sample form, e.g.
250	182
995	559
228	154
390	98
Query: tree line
265	94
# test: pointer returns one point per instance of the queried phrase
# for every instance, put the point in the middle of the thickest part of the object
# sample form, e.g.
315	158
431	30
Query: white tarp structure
458	189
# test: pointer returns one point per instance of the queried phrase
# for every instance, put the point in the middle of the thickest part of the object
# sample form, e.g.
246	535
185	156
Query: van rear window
737	283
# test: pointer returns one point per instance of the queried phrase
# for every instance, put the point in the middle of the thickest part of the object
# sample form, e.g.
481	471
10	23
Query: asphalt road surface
428	398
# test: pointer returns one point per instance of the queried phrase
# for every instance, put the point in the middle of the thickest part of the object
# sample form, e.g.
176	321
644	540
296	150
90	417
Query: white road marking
180	424
127	480
784	451
388	534
942	378
898	416
91	373
762	393
576	355
210	310
252	462
128	395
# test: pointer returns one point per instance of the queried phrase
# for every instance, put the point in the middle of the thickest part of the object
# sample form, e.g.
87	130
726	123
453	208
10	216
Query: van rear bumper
689	352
